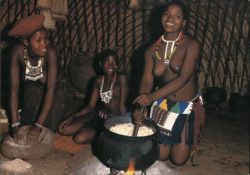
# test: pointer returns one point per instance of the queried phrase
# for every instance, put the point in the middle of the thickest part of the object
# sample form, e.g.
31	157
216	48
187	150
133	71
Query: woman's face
38	43
172	19
110	65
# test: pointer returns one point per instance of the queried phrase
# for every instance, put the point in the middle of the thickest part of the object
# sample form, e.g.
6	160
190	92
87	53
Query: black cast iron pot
115	150
215	95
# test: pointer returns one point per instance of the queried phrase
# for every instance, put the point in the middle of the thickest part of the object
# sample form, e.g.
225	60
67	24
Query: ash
86	163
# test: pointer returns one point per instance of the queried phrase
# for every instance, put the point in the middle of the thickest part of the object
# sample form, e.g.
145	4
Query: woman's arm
90	107
124	90
147	78
15	64
145	87
50	85
187	71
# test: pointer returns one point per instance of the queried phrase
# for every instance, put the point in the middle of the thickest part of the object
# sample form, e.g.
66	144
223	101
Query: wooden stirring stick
136	129
137	126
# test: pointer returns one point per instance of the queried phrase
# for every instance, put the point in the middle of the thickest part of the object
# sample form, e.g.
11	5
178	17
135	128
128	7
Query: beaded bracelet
13	125
40	126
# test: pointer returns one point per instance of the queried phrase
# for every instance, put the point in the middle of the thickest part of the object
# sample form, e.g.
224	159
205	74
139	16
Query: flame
131	167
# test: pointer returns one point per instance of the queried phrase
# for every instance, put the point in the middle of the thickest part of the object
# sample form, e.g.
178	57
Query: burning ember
131	168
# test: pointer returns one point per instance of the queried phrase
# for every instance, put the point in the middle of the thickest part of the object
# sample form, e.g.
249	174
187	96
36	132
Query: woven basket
49	22
44	3
60	7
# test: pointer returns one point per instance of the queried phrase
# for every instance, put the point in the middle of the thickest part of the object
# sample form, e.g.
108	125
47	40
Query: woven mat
65	143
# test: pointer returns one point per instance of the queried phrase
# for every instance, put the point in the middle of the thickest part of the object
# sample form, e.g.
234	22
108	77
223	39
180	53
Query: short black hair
107	53
182	5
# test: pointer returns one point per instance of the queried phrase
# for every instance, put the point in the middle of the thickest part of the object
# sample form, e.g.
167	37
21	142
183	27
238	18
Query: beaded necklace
107	96
33	73
169	48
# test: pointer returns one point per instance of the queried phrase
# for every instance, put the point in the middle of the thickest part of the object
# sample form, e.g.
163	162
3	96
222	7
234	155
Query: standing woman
176	106
33	68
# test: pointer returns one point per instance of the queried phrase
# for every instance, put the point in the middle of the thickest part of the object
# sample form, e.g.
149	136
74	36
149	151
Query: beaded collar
33	73
170	47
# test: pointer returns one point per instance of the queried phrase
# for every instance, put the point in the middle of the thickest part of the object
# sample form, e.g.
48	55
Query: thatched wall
222	27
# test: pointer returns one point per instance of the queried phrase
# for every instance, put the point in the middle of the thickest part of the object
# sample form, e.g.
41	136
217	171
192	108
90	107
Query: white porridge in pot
126	129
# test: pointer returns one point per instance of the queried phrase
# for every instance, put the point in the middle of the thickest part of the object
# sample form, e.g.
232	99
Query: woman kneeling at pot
176	106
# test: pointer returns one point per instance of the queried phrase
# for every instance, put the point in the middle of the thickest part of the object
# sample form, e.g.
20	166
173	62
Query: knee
179	154
164	153
163	157
66	131
81	138
179	161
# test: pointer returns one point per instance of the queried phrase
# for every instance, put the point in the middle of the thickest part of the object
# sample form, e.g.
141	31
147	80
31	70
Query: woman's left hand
33	134
143	100
103	114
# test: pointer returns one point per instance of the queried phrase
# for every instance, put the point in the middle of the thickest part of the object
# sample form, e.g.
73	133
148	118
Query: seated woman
110	91
33	68
175	104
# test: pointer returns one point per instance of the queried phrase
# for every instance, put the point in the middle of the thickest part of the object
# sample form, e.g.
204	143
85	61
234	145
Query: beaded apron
165	117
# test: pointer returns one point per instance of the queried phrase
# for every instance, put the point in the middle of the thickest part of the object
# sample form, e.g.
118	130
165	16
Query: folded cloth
26	26
25	150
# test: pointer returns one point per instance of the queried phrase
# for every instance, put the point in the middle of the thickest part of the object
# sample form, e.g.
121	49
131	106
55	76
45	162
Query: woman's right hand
138	116
66	122
143	100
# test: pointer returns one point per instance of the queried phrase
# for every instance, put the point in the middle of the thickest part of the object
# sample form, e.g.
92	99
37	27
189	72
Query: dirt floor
224	150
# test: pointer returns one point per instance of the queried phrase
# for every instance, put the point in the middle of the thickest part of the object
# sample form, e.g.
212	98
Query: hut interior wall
222	27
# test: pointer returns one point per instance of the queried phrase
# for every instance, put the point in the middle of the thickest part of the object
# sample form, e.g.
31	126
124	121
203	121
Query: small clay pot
215	95
239	102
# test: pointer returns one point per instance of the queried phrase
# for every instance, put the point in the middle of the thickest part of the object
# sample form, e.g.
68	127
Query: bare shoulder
122	78
98	80
17	48
192	49
121	75
17	52
149	52
51	55
150	49
192	43
51	50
